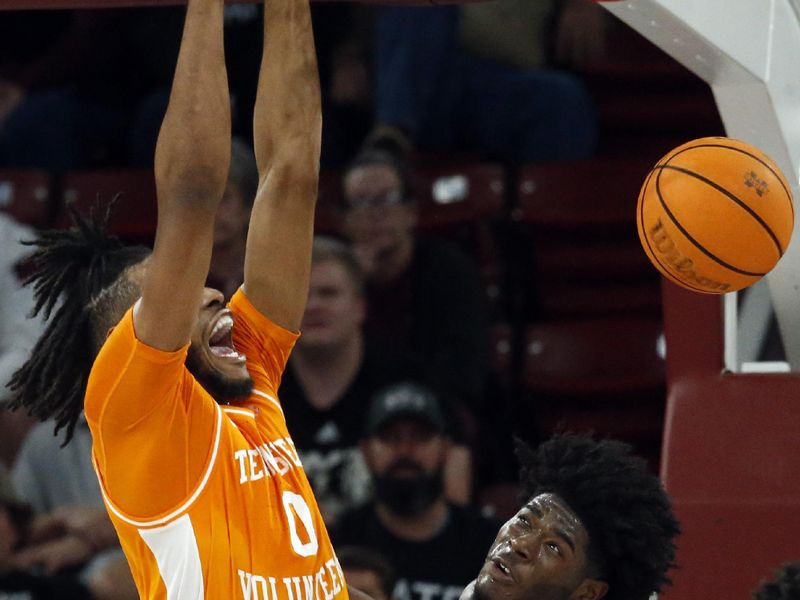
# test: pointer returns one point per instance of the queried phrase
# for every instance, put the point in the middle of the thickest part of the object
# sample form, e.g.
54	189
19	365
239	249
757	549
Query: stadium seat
577	252
26	195
502	340
464	203
575	299
594	375
450	196
135	211
499	500
731	457
592	196
593	357
646	101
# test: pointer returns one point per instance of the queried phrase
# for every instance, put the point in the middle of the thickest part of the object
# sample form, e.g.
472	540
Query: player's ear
590	589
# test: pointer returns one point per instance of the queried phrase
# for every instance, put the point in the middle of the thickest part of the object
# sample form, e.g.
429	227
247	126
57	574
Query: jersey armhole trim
239	411
270	398
184	506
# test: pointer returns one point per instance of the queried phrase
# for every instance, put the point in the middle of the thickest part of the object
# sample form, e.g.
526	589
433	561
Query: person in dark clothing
434	546
88	89
424	295
331	377
15	519
368	571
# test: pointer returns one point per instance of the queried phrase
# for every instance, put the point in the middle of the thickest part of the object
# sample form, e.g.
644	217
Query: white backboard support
748	51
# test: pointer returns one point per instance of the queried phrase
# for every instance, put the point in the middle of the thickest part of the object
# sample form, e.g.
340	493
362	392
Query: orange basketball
715	215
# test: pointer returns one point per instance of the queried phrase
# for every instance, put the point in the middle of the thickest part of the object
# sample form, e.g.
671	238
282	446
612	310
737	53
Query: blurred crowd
389	394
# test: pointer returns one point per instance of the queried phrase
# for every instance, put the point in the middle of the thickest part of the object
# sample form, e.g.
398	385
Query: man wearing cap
410	522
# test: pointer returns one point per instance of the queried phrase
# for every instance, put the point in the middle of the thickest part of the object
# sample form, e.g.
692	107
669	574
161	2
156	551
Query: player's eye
553	547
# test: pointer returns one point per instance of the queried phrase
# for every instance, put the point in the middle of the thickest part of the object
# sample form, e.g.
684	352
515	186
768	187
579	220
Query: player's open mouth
499	570
220	341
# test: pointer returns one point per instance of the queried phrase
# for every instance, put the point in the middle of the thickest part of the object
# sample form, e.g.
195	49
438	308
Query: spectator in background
483	78
331	376
368	571
71	531
15	519
435	547
85	88
785	585
424	296
226	272
18	333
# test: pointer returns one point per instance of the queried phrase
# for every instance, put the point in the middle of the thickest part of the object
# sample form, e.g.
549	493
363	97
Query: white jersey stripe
238	411
270	398
183	507
175	549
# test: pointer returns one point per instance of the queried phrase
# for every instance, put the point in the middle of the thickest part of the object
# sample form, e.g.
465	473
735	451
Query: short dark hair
367	559
784	586
623	507
77	282
374	156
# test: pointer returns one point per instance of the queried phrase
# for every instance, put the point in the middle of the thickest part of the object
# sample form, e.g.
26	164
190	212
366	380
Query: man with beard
435	547
196	466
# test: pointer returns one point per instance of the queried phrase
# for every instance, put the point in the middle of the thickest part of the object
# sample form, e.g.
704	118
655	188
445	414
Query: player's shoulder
247	315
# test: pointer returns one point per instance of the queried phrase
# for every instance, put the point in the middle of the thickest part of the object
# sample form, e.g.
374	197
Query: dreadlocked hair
785	585
78	265
623	507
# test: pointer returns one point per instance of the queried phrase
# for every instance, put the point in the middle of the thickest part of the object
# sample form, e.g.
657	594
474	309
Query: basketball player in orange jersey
198	471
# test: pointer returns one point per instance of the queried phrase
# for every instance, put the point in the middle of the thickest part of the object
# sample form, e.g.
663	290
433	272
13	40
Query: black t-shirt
327	440
437	569
435	314
24	586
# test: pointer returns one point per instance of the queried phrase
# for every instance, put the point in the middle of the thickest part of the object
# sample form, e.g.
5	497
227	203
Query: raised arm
287	131
191	168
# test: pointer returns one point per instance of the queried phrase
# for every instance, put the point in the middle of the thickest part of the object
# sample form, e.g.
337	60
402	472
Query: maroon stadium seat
599	375
134	215
26	195
578	252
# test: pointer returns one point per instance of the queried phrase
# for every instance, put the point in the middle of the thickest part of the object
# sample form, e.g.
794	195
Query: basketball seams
689	237
777	174
662	219
649	249
731	197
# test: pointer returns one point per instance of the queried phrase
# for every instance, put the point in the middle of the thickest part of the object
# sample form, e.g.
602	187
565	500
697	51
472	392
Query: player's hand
91	524
53	556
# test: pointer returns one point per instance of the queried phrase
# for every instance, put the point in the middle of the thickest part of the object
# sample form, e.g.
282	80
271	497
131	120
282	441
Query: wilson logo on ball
700	222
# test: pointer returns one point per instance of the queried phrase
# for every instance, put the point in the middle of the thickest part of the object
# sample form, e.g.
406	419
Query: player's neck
326	373
419	528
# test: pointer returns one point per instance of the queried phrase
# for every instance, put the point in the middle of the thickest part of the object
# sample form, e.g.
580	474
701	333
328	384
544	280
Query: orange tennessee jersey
208	501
